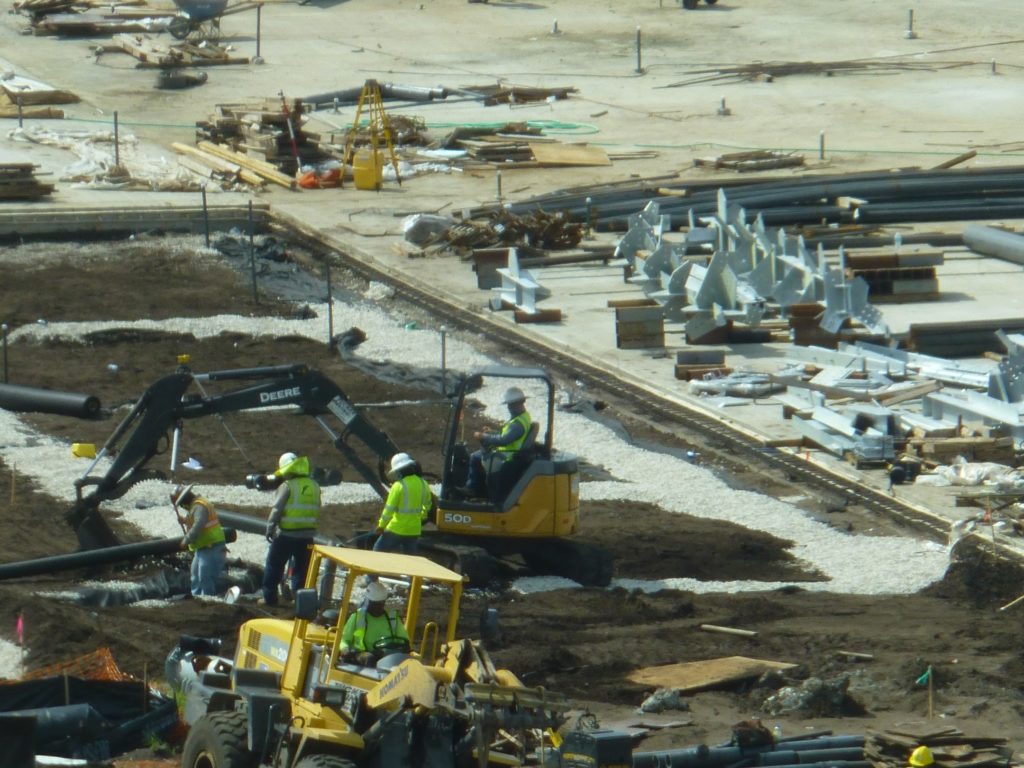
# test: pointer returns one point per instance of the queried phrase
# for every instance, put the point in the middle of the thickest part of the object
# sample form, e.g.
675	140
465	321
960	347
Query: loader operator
293	523
373	631
408	506
204	537
498	447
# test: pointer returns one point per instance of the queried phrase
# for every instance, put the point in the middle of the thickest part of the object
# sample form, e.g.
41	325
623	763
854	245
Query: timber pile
896	276
950	747
154	54
516	94
263	131
18	182
38	8
756	160
943	450
95	23
215	168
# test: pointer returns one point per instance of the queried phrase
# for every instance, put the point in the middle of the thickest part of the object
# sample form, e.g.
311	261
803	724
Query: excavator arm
162	408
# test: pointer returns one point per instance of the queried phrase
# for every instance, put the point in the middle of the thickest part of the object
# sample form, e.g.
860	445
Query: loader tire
324	761
689	4
218	740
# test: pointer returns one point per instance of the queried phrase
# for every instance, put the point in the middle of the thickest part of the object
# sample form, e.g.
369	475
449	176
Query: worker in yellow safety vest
204	537
293	522
373	632
498	446
409	504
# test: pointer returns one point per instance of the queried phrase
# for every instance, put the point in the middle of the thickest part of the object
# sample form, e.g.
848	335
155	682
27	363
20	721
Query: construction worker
921	757
373	631
292	524
498	446
204	537
408	506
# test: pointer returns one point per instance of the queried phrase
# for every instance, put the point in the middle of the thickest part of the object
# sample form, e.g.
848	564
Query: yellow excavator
290	697
532	506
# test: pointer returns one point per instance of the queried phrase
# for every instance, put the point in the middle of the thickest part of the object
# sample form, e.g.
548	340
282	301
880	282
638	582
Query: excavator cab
536	488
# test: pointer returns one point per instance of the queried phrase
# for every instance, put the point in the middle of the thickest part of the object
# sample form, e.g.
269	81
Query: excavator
293	698
531	509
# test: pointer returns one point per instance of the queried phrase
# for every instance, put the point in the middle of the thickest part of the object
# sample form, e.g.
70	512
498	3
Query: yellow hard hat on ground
921	757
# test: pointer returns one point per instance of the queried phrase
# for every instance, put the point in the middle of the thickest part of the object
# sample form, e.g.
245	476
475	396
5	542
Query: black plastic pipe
716	757
120	553
35	400
250	524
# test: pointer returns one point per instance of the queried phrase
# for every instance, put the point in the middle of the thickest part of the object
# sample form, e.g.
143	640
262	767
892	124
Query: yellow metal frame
379	127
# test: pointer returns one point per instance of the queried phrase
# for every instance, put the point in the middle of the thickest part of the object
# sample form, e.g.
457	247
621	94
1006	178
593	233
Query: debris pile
18	182
949	747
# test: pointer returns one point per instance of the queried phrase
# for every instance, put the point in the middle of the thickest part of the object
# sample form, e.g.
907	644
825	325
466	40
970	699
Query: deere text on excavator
531	509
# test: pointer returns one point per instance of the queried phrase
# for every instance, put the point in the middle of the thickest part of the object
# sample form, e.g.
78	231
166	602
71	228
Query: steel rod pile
866	198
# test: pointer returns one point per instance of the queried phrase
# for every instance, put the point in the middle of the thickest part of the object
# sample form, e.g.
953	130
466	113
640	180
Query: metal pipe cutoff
34	400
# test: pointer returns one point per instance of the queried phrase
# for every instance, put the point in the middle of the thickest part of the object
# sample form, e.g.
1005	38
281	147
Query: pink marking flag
19	629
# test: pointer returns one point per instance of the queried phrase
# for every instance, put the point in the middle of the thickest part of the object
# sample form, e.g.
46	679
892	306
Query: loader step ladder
379	128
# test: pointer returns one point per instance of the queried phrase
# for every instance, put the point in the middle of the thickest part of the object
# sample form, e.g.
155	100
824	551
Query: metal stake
117	142
259	27
444	360
3	332
497	181
21	121
554	27
206	219
330	306
252	255
639	65
993	66
821	145
590	215
910	34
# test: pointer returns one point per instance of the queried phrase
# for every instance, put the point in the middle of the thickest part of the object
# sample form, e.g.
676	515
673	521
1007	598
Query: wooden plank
265	170
700	675
548	155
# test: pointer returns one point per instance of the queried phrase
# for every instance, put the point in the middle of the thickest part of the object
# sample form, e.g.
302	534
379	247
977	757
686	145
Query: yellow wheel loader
292	698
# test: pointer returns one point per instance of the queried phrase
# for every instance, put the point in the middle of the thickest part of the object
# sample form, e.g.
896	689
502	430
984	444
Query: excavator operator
498	446
373	631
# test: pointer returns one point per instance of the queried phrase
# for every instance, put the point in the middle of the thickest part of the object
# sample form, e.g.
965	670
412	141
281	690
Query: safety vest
524	419
407	506
395	628
302	511
212	533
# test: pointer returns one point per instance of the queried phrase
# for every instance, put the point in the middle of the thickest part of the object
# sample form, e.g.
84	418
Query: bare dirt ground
584	642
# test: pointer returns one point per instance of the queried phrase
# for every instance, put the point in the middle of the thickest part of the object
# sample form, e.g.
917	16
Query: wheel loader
291	698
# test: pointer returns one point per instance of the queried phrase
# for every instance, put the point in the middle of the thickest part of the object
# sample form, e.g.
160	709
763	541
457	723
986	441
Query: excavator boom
167	402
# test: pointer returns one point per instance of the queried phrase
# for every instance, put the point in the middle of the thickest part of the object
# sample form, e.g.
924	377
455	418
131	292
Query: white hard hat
181	491
376	592
400	461
513	395
286	459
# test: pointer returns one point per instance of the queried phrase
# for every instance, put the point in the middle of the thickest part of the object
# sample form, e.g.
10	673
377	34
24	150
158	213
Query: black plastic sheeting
18	739
87	719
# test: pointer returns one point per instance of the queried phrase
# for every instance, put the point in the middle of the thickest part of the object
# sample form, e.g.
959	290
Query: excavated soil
583	643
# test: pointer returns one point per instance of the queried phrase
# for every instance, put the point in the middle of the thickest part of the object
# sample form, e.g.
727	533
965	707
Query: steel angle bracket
672	296
849	299
518	287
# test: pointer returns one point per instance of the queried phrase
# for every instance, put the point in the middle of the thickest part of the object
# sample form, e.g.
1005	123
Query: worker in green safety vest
204	537
409	504
293	522
373	632
499	446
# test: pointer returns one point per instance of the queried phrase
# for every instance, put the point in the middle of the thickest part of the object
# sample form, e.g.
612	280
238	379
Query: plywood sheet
698	675
568	154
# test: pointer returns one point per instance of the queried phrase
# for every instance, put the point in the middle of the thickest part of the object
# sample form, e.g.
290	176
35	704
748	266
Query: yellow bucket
83	450
367	169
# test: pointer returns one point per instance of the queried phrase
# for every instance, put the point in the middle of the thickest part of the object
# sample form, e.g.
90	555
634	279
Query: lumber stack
639	324
755	160
262	131
943	450
18	182
700	363
950	747
905	276
967	338
152	53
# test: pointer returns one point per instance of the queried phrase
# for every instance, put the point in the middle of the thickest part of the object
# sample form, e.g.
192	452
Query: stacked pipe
821	752
886	197
36	400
